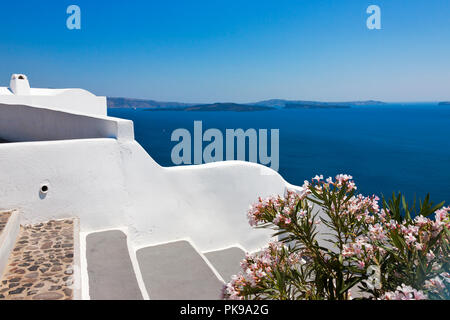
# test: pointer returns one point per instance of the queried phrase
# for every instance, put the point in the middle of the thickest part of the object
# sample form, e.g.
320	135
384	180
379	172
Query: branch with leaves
395	251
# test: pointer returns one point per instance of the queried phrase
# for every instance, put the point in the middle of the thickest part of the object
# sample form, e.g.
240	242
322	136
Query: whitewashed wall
105	178
108	184
72	100
26	123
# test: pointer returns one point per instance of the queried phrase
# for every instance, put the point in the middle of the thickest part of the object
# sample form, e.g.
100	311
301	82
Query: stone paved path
4	216
41	264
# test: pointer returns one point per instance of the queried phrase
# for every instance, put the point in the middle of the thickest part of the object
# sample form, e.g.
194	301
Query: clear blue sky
232	50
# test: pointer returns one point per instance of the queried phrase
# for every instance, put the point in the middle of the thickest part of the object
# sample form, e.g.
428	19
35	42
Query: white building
65	158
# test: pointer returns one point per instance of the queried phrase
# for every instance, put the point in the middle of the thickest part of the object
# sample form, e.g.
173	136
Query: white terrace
138	230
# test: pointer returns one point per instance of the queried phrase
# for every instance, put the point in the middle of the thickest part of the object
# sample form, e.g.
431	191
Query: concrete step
44	263
175	270
227	261
9	229
110	271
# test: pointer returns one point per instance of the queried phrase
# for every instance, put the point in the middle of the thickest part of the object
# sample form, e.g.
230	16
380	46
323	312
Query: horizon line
282	99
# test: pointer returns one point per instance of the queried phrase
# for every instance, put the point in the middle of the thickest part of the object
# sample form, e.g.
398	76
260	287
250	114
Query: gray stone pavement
226	262
176	271
111	274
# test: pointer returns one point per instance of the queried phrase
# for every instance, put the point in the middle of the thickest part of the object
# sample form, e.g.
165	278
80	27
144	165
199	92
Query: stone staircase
170	271
42	262
110	270
38	260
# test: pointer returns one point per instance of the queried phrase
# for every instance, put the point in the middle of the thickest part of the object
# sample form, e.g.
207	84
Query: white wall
26	123
207	203
109	183
85	179
72	100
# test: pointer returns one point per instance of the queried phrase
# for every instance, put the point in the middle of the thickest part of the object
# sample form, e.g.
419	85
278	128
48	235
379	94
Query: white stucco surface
26	123
94	170
73	100
107	183
76	100
97	172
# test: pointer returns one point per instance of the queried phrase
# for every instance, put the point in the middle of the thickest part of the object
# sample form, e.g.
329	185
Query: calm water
386	148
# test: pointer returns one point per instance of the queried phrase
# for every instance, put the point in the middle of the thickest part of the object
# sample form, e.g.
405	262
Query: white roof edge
48	92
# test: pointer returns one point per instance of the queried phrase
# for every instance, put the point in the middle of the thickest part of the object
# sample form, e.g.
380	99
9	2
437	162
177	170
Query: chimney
19	85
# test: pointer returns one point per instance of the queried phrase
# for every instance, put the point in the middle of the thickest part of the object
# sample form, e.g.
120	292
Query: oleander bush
386	250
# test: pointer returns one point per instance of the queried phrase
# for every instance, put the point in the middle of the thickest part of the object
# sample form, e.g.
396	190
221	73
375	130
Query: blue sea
394	147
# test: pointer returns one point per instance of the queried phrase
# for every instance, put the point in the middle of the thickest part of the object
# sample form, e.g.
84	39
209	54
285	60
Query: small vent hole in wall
21	78
43	190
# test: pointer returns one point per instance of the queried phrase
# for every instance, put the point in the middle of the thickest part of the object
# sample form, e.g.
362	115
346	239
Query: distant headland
142	103
236	107
266	105
295	104
444	103
313	106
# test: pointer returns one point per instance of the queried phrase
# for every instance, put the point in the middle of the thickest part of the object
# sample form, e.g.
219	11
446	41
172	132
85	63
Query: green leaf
406	209
350	285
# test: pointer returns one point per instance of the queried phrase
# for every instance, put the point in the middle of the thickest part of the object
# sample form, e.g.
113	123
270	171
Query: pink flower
377	232
342	178
421	221
318	178
430	256
257	266
404	292
361	264
302	213
351	186
409	238
392	225
442	215
277	219
348	251
435	284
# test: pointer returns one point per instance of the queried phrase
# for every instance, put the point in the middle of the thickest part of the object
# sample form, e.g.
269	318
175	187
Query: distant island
280	103
153	105
236	107
313	106
142	103
444	103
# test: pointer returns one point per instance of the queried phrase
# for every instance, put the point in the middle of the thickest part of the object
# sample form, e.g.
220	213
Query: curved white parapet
85	164
107	183
206	203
